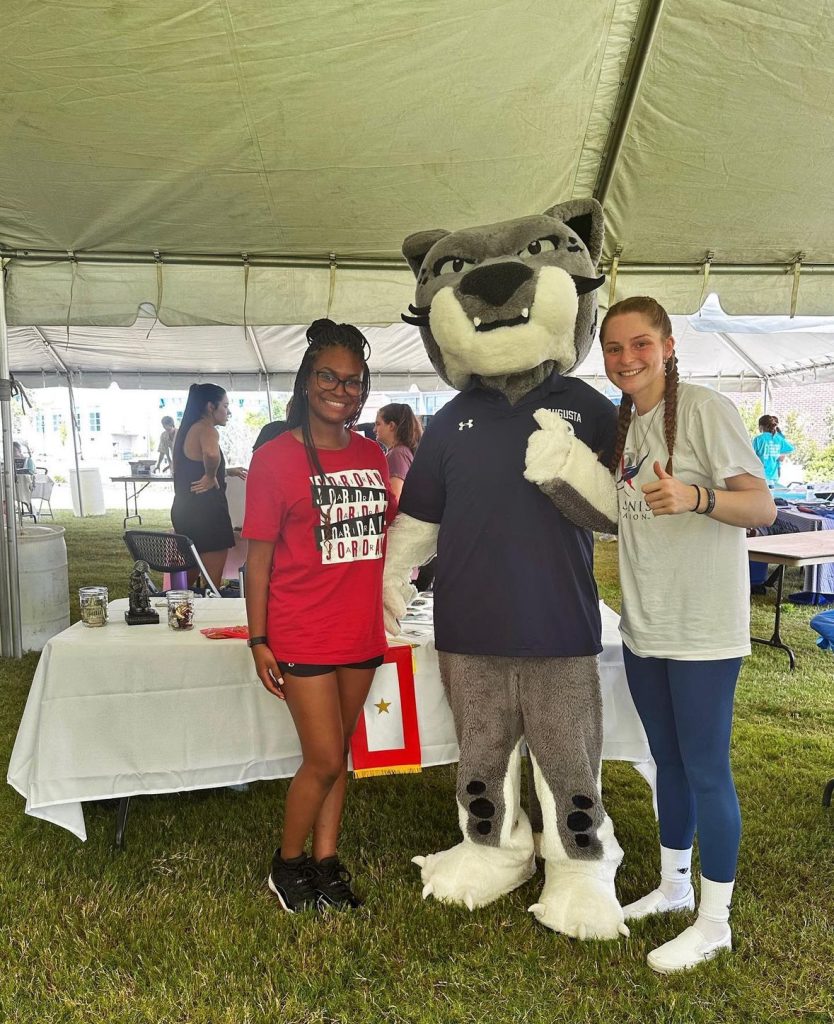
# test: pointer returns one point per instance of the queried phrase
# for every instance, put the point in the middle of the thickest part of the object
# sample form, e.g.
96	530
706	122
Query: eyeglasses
329	382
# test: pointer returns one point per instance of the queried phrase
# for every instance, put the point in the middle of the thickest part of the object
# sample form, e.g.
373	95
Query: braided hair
408	427
659	319
323	334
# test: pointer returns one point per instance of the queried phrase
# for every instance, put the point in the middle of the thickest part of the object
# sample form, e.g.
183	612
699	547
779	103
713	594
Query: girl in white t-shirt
688	483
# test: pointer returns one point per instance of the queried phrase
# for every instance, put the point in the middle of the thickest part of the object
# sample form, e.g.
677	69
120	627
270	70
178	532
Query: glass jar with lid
93	601
180	609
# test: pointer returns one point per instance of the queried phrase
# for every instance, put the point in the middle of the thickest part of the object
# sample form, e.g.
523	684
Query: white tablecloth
127	710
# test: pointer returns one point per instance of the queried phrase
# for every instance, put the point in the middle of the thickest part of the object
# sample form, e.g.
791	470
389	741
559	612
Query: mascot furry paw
505	311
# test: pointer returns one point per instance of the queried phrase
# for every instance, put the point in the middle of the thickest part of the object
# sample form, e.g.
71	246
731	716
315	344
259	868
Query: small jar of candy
180	609
93	601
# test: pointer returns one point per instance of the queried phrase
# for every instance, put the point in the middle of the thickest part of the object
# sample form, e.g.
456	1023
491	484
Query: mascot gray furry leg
580	851
578	845
496	854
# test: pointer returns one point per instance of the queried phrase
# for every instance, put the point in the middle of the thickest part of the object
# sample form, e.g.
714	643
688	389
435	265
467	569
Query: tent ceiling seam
633	79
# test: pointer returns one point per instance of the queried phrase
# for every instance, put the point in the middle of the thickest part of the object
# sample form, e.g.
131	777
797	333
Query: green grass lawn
180	926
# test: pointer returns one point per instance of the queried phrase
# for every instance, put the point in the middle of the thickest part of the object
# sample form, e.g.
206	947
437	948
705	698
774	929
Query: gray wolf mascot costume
505	311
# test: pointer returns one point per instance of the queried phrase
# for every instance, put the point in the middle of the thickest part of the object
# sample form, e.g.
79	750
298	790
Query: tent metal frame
11	626
388	263
76	445
645	32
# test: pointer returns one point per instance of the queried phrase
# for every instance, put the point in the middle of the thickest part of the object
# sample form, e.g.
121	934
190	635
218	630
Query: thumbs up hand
668	496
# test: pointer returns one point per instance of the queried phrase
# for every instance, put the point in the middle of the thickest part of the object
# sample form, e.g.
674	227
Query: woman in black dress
200	509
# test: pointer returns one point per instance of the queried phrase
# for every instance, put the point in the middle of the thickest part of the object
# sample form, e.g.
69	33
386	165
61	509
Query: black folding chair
166	552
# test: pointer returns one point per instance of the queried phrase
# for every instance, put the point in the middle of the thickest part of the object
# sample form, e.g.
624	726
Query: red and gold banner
387	737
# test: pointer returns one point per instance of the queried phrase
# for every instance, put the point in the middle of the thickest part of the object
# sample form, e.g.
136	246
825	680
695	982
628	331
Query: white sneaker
656	903
689	949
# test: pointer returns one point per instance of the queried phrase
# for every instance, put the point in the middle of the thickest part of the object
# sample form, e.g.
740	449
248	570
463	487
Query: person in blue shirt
771	446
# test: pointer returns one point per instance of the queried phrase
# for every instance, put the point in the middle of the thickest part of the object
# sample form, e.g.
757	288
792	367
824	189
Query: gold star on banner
383	706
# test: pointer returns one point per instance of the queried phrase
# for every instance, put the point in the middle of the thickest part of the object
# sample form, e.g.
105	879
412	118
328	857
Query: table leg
121	821
135	514
776	639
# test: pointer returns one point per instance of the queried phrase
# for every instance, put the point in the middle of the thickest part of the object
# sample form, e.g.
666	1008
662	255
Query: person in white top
688	483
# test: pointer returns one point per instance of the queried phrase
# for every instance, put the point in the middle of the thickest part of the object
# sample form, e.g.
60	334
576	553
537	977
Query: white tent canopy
306	135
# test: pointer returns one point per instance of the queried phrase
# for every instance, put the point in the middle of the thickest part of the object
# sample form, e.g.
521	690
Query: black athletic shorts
295	668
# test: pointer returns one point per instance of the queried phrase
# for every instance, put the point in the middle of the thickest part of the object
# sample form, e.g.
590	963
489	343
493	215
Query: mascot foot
474	875
578	899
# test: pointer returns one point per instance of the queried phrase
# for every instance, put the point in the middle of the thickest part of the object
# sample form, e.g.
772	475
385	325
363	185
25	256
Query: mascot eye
539	246
451	265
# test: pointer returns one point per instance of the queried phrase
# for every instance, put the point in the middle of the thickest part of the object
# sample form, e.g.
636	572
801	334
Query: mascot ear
584	216
417	245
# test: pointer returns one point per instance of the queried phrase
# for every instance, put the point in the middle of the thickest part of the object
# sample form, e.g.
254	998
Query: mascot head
507	300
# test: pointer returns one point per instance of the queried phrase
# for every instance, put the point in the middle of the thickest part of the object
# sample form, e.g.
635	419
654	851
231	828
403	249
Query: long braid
623	421
670	406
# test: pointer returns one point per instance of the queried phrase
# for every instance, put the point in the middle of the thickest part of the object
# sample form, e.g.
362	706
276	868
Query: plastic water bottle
810	494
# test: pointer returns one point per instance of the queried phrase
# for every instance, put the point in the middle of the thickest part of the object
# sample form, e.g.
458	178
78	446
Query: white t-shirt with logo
685	578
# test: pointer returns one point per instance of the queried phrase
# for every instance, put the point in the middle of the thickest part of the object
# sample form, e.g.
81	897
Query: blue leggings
686	708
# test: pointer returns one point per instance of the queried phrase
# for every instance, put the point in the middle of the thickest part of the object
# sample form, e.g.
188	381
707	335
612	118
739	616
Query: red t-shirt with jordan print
325	589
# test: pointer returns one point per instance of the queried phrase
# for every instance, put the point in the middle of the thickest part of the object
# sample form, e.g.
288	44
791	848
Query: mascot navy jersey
536	597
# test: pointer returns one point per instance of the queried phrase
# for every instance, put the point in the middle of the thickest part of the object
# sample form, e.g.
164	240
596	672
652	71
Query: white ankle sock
713	920
675	873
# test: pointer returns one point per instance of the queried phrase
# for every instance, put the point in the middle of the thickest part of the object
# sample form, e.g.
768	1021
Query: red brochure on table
387	737
226	632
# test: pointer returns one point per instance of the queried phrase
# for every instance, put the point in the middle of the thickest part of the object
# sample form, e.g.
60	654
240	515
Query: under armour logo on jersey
466	423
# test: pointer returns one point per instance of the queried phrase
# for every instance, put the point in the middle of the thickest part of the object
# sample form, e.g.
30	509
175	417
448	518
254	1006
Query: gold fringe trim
400	769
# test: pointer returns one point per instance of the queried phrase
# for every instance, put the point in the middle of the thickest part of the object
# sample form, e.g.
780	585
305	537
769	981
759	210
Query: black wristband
710	502
698	499
253	641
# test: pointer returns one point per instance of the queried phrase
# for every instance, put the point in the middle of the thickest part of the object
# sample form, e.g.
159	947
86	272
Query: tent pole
33	257
62	366
766	399
733	347
619	129
75	444
253	341
12	636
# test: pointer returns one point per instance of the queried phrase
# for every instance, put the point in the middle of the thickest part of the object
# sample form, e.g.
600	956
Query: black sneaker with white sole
294	882
332	882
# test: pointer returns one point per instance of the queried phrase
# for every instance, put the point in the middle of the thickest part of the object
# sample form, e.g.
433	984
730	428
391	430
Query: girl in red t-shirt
317	505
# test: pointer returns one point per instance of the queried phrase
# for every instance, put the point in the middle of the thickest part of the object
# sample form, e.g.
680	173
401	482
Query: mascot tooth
505	312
